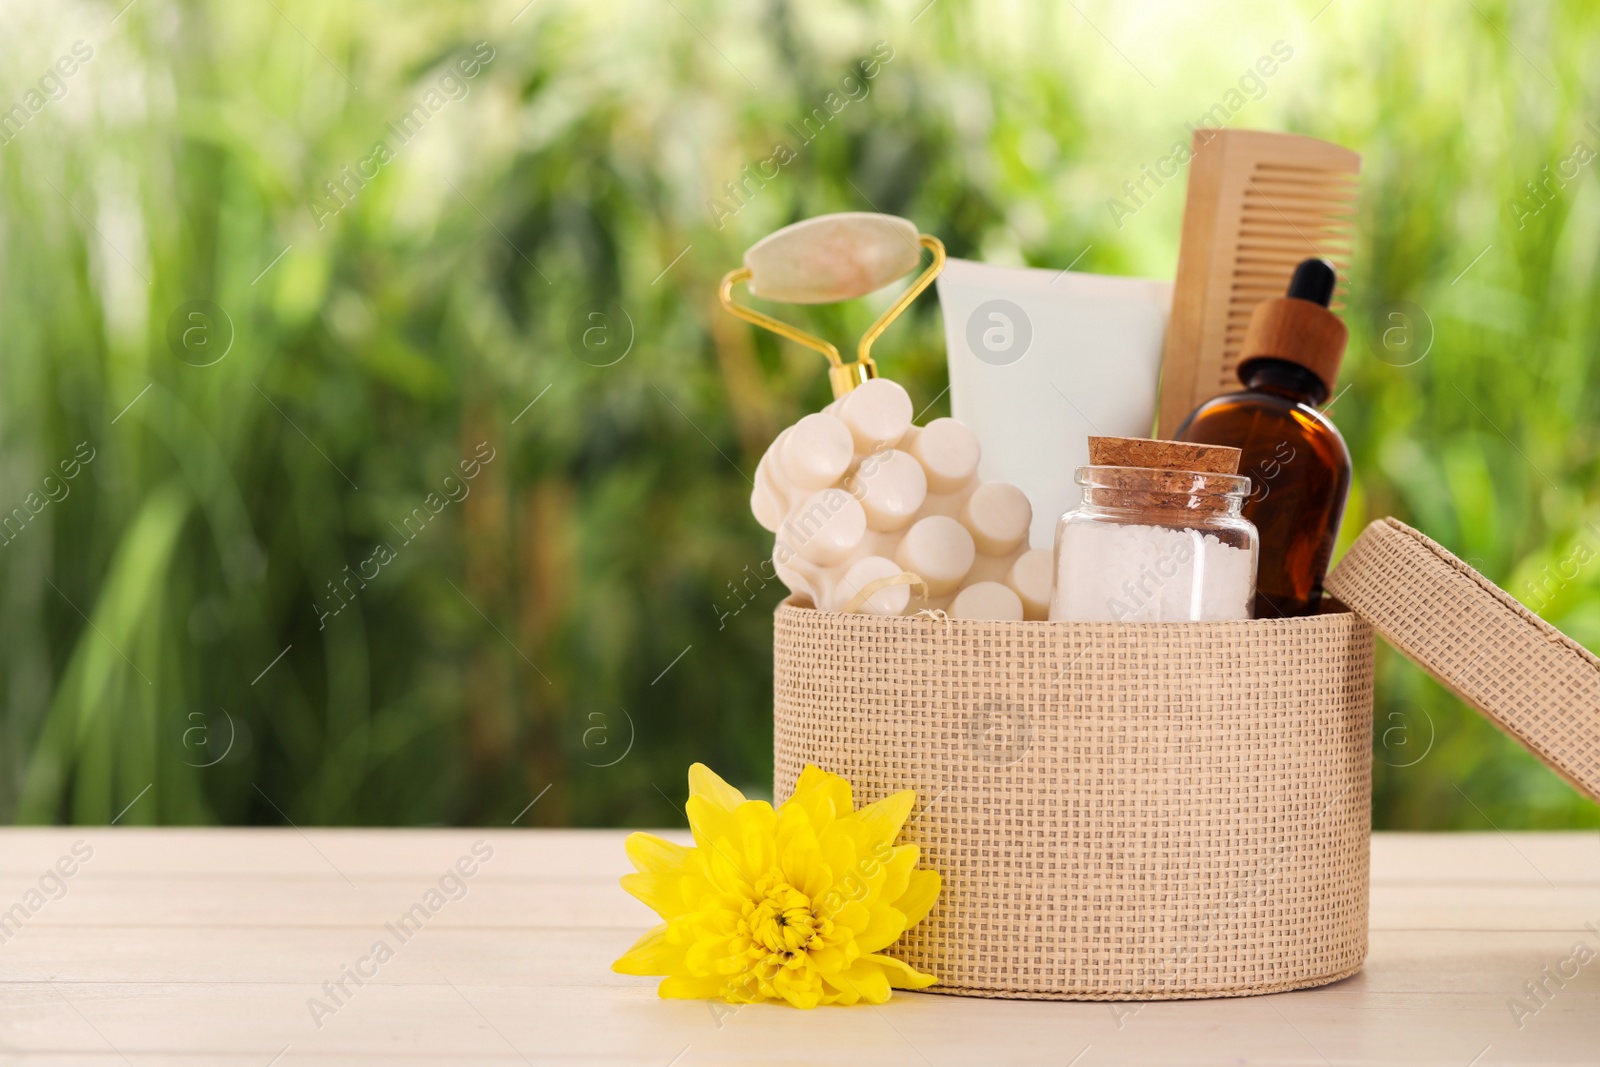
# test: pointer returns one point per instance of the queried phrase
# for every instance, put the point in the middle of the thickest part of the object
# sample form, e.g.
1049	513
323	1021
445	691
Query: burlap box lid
1535	682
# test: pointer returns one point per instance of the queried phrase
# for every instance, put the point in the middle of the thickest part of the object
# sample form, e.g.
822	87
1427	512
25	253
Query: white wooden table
207	946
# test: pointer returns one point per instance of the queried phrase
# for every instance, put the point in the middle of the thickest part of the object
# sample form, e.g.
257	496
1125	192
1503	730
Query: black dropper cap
1313	280
1298	327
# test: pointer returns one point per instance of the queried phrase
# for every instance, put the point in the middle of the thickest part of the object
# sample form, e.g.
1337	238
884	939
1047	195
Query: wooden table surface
211	947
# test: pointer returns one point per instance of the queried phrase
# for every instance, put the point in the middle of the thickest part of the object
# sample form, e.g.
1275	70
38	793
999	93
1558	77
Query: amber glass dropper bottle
1291	451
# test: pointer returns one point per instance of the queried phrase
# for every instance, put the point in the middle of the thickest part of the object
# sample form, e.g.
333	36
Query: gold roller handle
932	244
841	375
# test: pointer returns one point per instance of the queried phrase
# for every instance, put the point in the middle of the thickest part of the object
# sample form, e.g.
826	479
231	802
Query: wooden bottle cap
1298	331
1163	455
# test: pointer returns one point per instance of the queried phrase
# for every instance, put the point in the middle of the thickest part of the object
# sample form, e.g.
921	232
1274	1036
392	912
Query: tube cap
1299	327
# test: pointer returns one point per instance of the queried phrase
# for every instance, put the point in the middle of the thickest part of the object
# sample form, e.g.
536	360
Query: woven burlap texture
1119	812
1535	682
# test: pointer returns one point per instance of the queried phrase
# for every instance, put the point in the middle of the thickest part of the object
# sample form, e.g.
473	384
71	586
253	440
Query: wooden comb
1258	203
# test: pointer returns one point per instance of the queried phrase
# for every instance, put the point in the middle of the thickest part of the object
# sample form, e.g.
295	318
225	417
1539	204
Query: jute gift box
1159	810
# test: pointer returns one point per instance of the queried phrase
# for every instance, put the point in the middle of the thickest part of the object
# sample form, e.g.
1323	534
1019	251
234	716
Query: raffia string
864	594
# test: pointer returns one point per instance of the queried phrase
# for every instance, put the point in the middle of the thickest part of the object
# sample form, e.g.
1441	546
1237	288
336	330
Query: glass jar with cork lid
1159	536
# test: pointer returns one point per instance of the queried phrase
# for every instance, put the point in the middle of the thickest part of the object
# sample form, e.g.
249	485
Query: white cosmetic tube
1042	359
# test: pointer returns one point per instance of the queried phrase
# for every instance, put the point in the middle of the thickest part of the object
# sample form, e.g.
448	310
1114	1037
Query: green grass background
518	645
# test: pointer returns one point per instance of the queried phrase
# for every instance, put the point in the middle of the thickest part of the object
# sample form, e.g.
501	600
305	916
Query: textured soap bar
873	514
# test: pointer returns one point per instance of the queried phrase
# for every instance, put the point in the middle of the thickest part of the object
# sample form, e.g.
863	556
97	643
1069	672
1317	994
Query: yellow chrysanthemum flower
795	904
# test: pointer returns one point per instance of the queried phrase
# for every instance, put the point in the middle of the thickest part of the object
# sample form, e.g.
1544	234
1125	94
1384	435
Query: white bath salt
1149	574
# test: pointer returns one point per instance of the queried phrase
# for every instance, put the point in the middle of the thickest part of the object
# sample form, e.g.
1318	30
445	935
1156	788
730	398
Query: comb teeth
1258	203
1301	212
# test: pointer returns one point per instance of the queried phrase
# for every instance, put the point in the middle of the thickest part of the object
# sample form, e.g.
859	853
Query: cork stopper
1299	327
1145	474
1163	455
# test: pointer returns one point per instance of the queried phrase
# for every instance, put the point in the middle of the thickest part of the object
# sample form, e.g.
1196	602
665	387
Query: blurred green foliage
577	622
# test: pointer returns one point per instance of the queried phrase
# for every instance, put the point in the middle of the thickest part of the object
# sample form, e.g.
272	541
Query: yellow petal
708	822
824	796
717	833
800	987
794	825
652	855
804	997
709	956
812	776
897	872
681	988
919	896
901	976
843	851
703	889
865	979
724	872
704	782
884	818
883	928
799	858
852	915
758	825
651	954
828	959
658	892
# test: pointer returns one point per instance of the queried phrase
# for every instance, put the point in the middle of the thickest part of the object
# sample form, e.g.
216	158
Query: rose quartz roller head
830	258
